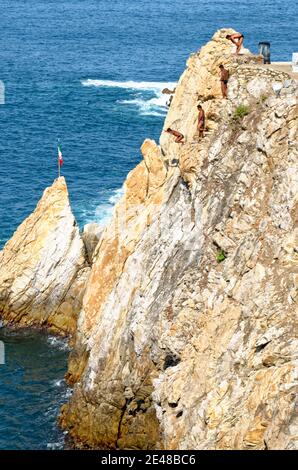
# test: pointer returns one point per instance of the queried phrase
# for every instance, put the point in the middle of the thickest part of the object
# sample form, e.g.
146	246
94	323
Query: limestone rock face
91	236
187	338
43	268
144	192
200	84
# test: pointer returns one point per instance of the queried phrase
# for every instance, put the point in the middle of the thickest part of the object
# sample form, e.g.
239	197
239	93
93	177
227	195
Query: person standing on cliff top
224	78
201	121
237	39
178	135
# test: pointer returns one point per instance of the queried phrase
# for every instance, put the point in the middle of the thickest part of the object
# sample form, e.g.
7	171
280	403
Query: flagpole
58	158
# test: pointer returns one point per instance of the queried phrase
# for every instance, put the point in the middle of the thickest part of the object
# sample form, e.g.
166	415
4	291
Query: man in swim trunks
170	101
224	77
201	121
237	39
178	135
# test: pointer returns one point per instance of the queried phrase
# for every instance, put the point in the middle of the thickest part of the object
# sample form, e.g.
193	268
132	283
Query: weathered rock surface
187	335
179	350
43	269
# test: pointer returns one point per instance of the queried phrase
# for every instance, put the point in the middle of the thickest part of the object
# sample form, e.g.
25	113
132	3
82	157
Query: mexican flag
60	158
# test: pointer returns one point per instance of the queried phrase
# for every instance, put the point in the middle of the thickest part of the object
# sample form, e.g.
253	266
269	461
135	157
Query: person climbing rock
170	101
237	39
201	121
224	78
178	135
167	91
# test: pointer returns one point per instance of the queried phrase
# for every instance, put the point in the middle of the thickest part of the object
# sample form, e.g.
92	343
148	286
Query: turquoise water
91	73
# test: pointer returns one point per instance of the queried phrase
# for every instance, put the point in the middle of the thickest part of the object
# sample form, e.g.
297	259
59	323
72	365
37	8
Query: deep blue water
50	51
31	390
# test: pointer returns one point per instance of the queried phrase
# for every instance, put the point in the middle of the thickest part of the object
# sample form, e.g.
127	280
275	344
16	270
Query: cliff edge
187	334
43	267
187	330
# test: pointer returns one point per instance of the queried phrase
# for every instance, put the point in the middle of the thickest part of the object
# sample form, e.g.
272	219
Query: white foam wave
156	106
130	84
146	97
118	193
68	393
56	445
59	383
59	343
103	213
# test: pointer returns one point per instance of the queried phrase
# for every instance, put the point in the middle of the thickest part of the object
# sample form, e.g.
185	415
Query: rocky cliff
43	269
187	335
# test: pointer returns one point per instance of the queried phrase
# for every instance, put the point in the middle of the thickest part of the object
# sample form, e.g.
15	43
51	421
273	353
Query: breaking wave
102	213
58	343
146	97
129	84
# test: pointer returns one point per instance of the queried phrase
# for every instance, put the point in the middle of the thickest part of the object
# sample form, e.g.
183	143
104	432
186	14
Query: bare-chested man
178	135
224	78
237	39
201	121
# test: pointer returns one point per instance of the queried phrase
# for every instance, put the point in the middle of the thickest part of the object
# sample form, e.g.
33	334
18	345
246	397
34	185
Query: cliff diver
178	135
237	39
224	78
167	91
201	121
170	101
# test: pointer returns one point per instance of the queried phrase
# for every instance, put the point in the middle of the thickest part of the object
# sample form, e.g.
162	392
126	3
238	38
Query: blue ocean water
90	73
32	389
50	47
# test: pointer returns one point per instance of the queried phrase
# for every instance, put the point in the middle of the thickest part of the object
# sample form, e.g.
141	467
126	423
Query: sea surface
32	388
90	72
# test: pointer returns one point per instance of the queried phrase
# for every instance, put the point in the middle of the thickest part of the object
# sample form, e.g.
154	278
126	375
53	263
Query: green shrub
221	256
264	98
241	111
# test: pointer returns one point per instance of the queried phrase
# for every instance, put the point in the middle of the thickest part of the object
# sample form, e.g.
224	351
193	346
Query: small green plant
221	256
263	98
241	111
